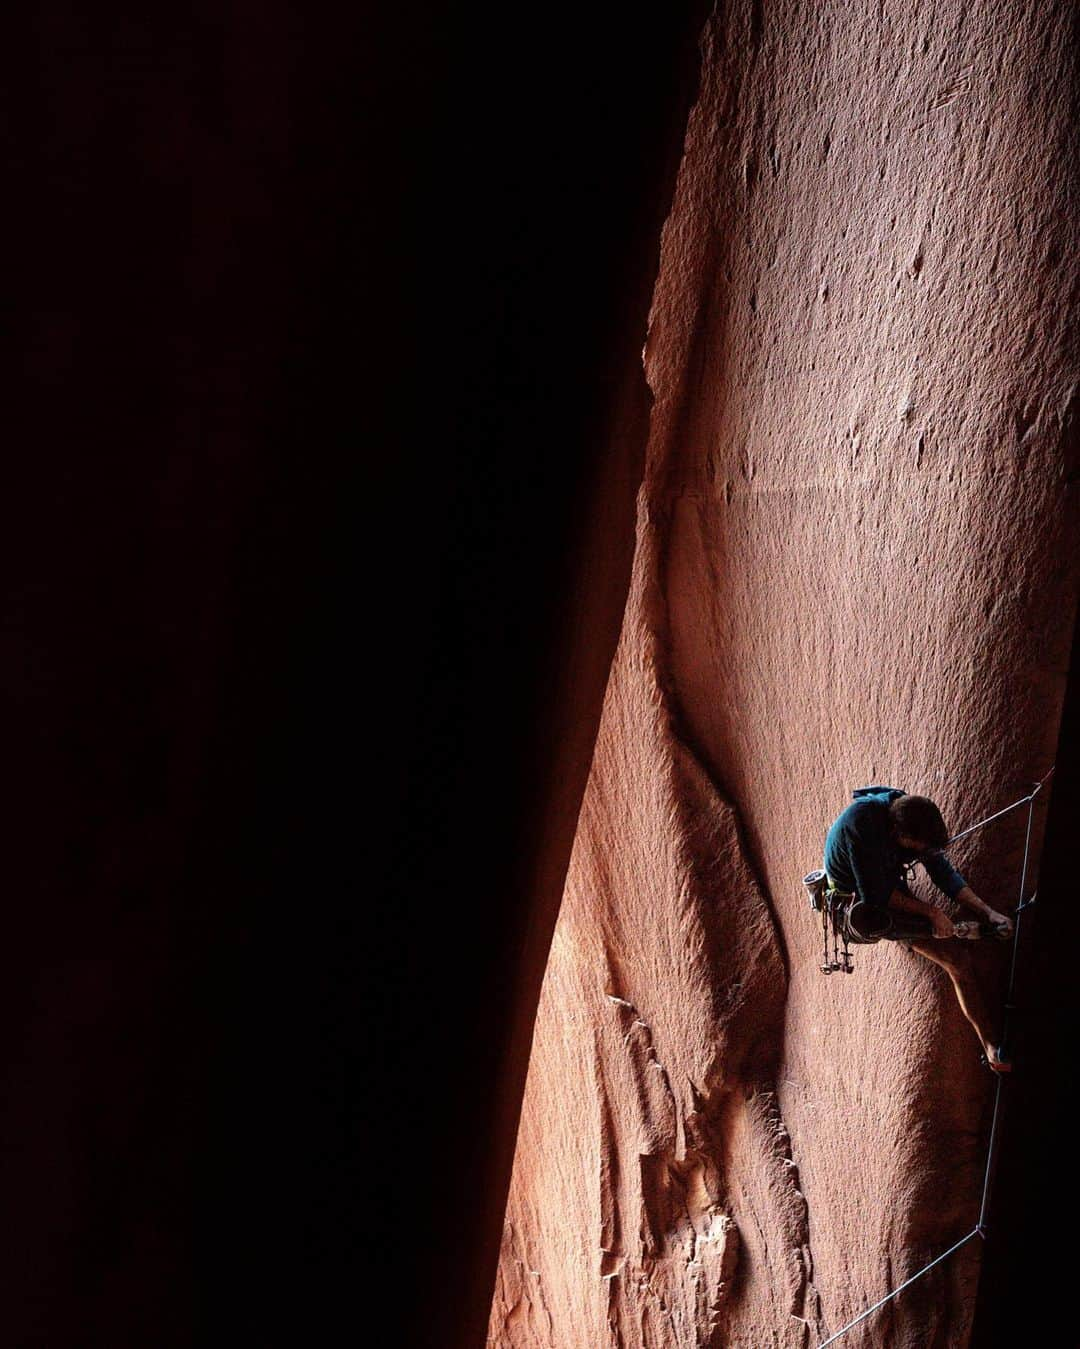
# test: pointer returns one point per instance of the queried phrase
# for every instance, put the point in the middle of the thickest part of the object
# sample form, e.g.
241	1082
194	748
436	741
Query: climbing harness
848	921
1025	902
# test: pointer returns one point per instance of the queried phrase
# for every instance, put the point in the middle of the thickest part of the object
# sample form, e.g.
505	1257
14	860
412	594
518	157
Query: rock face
855	564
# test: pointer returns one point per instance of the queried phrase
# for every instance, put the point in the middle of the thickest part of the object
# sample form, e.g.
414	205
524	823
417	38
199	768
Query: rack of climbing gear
830	903
839	924
1025	902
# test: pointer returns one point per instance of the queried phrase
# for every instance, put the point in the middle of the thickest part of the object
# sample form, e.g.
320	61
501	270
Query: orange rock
855	563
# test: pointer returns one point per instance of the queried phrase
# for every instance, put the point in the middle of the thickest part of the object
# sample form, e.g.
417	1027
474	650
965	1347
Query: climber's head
918	824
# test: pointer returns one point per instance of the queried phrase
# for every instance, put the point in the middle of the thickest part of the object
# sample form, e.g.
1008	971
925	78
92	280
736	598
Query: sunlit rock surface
856	563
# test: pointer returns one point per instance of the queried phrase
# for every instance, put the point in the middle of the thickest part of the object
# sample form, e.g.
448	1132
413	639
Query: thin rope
998	814
1021	906
980	1230
889	1296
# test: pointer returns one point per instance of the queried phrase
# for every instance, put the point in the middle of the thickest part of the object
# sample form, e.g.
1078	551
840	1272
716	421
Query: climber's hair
918	817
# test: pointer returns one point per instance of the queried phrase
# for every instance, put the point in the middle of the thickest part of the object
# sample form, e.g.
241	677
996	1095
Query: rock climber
866	850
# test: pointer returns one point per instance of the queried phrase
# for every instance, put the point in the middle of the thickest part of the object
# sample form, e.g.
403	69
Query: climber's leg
956	961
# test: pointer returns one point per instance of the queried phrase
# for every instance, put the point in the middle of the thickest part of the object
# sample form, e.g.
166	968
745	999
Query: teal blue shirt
863	856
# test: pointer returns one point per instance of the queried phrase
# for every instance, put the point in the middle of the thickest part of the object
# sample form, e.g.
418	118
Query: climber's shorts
864	923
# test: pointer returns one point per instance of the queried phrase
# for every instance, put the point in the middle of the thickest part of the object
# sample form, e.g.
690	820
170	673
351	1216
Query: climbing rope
980	1228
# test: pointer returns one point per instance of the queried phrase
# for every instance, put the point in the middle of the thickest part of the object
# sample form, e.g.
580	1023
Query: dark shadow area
1027	1258
326	322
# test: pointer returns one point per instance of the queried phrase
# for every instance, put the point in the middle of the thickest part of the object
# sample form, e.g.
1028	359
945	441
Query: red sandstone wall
856	563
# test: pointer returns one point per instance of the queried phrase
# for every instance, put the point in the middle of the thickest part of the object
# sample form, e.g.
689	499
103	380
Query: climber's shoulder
867	812
873	802
882	796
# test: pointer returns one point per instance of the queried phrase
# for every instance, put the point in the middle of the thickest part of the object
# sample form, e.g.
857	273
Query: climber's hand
1001	922
943	926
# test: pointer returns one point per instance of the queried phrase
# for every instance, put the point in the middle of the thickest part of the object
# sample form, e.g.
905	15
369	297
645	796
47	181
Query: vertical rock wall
856	563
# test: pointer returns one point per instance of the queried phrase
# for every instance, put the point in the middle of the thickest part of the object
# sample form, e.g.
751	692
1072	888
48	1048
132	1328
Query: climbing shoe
1001	1061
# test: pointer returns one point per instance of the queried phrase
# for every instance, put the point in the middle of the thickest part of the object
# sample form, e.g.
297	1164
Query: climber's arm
971	900
942	872
946	877
903	899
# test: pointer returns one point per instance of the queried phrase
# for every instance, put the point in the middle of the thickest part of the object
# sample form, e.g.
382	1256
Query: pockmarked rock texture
855	563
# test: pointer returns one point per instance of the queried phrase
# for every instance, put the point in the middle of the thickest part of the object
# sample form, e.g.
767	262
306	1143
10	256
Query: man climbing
866	850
